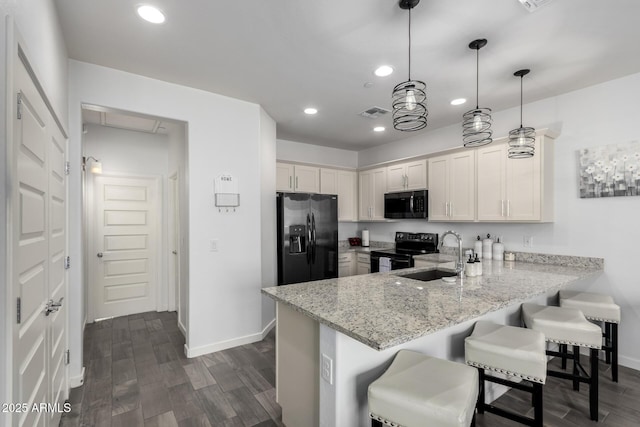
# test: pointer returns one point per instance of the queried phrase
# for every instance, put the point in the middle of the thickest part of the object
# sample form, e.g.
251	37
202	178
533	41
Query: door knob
99	254
52	307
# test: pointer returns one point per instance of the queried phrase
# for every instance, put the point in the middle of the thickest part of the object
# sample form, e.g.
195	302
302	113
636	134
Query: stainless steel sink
425	276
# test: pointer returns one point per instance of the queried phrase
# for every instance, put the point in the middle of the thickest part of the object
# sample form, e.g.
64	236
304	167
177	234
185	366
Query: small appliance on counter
407	245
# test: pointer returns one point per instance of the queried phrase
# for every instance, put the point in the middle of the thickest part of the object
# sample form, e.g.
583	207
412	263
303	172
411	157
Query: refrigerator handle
313	238
308	246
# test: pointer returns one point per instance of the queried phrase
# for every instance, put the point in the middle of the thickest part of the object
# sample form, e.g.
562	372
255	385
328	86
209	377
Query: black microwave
406	204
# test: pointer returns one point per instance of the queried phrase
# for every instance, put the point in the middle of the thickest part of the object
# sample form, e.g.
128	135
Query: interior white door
124	279
38	217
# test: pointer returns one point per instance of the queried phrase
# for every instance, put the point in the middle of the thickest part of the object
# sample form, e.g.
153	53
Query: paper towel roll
365	238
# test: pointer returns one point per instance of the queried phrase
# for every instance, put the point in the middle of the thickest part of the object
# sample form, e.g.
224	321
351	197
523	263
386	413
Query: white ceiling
287	54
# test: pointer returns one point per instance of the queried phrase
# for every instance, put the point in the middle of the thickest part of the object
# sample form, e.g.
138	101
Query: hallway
137	375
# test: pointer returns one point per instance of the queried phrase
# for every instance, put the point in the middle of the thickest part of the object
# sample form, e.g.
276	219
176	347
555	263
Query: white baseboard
78	380
629	362
182	328
223	345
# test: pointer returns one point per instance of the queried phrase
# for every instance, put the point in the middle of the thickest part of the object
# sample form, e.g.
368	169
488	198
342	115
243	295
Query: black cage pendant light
409	98
522	140
476	125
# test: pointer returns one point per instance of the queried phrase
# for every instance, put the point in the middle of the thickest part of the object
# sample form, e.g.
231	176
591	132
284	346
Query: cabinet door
462	188
438	188
329	181
364	195
347	183
416	173
379	187
284	177
346	264
523	188
363	264
492	203
396	178
307	179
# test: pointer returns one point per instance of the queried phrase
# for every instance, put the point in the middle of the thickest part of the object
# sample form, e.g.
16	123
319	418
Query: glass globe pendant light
522	140
409	98
476	125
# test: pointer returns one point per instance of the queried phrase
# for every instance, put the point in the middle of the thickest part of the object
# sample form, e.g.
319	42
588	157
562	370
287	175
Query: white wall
291	151
268	213
607	228
225	303
37	23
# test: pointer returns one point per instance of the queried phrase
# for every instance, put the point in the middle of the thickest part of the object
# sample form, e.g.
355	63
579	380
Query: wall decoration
610	170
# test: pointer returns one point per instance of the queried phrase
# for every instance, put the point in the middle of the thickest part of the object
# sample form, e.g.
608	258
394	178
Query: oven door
397	262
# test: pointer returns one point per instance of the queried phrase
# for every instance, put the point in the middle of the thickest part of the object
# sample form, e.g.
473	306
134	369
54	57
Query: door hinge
19	112
67	262
67	168
67	357
19	310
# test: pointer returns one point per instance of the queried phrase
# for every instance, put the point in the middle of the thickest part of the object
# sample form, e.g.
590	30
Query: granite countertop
383	310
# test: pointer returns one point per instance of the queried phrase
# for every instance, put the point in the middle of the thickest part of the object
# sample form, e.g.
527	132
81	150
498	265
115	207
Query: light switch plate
527	241
213	245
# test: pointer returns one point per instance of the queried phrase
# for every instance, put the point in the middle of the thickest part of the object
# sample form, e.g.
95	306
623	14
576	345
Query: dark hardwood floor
137	375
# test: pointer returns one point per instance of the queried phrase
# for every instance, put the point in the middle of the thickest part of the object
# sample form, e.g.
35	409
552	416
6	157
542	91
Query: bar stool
419	390
568	326
597	308
513	351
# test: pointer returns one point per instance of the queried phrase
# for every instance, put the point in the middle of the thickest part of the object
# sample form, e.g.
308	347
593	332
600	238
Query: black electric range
407	246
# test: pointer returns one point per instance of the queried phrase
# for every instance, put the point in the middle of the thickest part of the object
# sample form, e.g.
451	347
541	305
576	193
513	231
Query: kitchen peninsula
335	336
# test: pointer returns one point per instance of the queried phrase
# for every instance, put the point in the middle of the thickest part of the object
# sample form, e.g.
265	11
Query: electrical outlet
213	245
527	241
326	369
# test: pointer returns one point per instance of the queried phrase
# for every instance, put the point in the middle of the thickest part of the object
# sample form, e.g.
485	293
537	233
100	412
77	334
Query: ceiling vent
533	5
374	112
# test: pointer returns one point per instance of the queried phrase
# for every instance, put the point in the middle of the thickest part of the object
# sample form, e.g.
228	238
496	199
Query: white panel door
462	186
284	177
492	182
347	196
523	188
396	178
439	188
38	247
124	277
417	175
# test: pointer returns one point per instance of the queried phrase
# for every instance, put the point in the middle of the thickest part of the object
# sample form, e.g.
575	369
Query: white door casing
38	215
124	277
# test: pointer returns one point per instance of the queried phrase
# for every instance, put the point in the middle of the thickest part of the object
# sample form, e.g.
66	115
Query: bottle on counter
470	267
487	245
498	250
477	247
478	265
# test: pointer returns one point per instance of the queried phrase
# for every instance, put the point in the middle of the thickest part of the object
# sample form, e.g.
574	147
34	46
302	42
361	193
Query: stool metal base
536	399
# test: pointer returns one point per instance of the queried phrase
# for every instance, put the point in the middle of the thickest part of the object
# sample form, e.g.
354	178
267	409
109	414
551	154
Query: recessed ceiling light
151	14
378	129
310	111
383	71
458	101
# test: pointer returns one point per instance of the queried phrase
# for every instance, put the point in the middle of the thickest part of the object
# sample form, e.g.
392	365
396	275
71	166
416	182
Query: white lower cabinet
518	190
452	187
363	263
346	264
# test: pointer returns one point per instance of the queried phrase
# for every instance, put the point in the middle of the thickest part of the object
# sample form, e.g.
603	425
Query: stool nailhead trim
504	371
383	421
579	344
600	319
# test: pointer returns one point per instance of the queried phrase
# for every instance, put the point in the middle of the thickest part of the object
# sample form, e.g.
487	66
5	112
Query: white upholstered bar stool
597	308
513	351
568	326
419	390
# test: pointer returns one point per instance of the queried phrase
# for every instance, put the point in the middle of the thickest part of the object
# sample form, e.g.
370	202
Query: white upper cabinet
407	176
345	185
452	187
373	185
297	178
518	190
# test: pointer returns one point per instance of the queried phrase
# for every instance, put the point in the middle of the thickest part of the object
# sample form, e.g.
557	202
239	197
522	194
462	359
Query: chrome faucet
460	263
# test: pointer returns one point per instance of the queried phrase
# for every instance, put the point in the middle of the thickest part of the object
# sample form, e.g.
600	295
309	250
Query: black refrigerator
307	237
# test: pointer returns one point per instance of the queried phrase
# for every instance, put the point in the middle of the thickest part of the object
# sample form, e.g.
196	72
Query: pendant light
409	98
476	125
522	140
